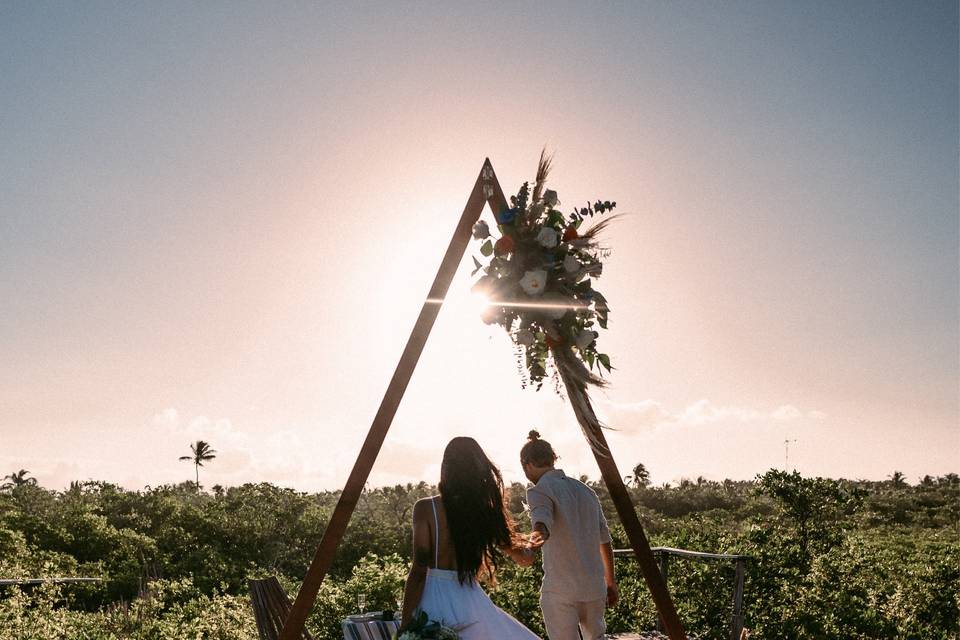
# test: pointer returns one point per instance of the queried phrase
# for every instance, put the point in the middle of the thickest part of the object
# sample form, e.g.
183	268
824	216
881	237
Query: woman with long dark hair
458	537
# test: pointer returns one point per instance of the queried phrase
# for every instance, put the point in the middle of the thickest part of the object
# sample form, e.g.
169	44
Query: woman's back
462	605
444	553
456	535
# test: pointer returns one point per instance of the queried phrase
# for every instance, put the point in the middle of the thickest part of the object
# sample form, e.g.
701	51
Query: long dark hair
471	488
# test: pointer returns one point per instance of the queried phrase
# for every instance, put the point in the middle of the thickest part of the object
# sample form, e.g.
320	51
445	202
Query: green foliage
518	591
829	558
171	610
814	506
379	579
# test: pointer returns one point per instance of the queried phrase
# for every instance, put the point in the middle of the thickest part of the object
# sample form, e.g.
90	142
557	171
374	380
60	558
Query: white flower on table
448	633
548	237
481	230
533	282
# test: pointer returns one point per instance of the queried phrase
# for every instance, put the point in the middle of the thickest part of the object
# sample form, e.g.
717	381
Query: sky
219	221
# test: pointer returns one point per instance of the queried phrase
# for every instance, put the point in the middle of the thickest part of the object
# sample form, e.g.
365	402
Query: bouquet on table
539	286
422	628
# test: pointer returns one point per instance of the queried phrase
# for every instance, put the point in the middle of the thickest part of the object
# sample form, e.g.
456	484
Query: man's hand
536	540
539	535
613	595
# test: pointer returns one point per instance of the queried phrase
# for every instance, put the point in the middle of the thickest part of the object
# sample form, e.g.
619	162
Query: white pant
562	617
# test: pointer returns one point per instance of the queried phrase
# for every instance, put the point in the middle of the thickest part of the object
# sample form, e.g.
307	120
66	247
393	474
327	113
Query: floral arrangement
422	628
539	285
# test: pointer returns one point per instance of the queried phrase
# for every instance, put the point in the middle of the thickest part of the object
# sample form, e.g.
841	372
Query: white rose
585	337
481	231
533	282
550	198
571	264
548	237
525	337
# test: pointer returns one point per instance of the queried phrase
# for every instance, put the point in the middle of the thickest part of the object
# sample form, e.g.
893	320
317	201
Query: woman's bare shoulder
422	507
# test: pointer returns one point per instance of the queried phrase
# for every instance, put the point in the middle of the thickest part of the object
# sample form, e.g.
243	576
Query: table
369	626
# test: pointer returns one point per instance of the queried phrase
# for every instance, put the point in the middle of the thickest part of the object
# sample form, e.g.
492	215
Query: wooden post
736	619
638	539
664	570
486	189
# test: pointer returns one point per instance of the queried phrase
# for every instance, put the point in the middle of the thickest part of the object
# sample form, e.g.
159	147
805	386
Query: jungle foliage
829	558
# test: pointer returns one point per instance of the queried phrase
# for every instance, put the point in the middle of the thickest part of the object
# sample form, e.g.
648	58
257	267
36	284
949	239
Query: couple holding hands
459	536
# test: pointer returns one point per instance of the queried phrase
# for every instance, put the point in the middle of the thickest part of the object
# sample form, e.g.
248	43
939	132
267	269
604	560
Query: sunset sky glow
220	220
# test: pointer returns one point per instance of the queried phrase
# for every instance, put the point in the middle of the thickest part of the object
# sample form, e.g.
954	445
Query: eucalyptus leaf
604	359
486	248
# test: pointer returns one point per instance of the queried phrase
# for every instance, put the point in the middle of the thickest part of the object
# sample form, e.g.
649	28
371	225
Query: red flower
570	233
503	245
553	342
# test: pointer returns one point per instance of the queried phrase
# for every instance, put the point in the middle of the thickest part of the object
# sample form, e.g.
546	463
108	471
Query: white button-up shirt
570	510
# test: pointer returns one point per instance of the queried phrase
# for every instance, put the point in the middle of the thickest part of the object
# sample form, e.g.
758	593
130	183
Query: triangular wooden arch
486	190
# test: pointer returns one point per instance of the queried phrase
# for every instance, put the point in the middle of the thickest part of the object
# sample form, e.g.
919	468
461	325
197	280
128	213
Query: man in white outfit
578	573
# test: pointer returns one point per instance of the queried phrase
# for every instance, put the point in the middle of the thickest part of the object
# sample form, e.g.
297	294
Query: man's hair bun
537	451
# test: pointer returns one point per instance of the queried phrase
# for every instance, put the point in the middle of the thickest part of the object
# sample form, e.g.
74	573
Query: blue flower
507	216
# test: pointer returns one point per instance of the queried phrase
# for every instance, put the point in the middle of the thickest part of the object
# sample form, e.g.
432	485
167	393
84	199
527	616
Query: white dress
466	607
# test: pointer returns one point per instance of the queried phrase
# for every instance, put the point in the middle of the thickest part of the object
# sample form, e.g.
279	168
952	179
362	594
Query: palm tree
898	480
640	476
201	453
18	479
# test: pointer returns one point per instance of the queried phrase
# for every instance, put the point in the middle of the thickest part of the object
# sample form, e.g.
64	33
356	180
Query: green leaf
486	248
476	266
604	360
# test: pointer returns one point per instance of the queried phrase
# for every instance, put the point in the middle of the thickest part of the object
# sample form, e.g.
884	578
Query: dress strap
436	541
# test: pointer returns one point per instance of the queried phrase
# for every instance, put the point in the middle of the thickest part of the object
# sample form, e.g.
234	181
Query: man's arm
540	535
541	515
609	575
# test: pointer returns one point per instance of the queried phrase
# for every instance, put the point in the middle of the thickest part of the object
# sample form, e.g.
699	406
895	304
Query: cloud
268	455
786	412
646	413
651	413
168	418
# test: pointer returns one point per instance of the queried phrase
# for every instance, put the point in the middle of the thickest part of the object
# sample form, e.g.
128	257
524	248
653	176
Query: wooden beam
736	618
486	189
689	555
